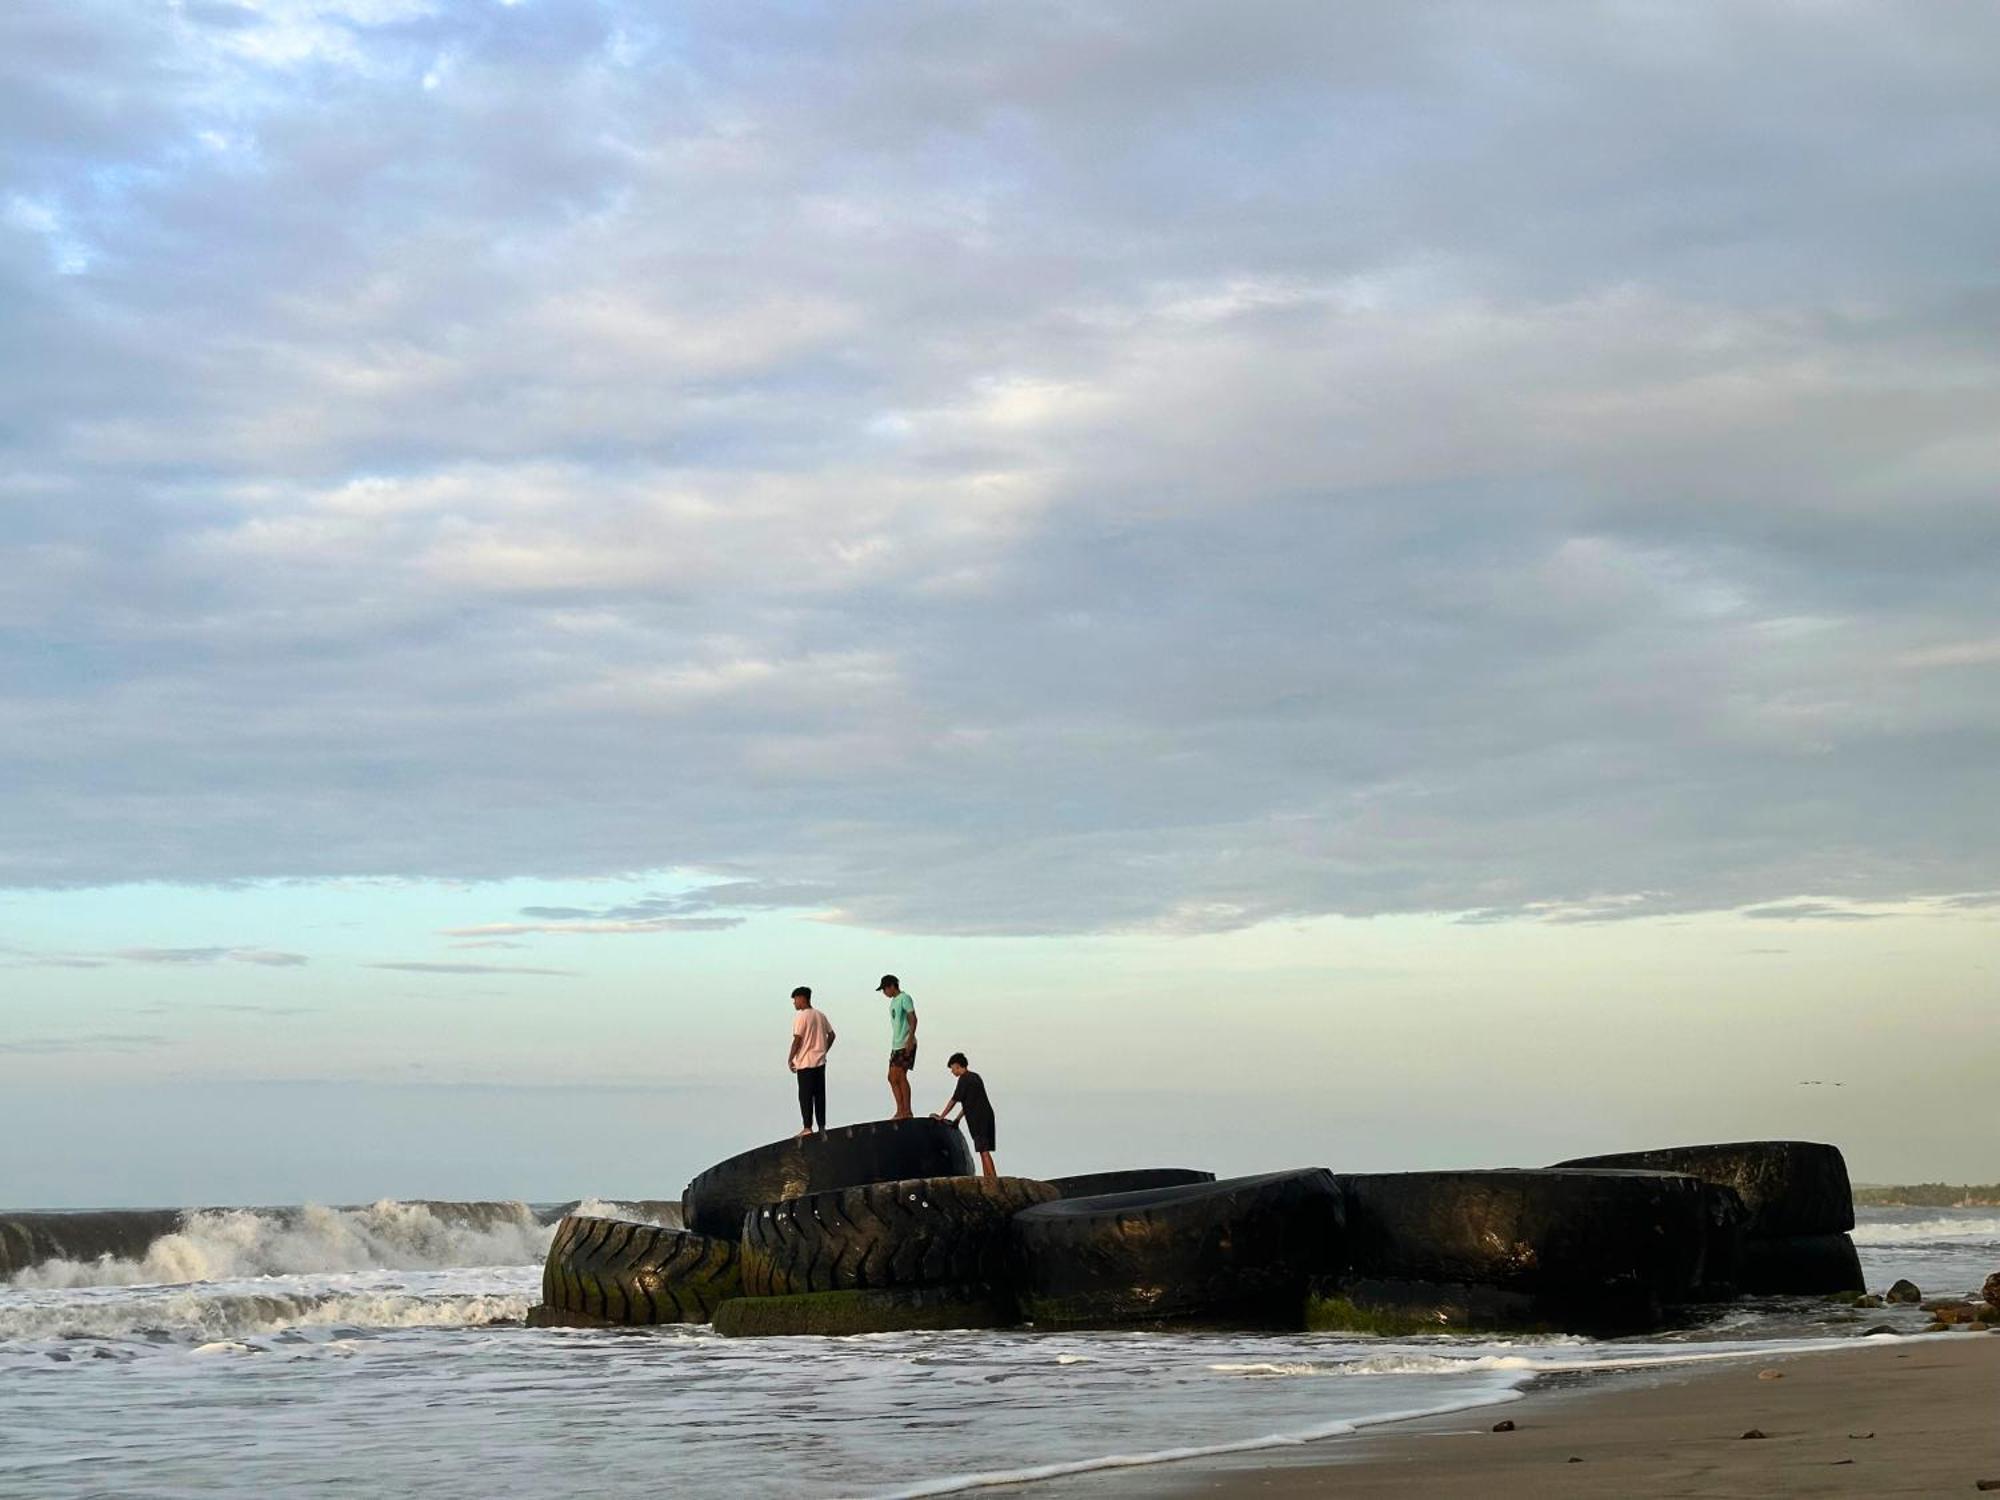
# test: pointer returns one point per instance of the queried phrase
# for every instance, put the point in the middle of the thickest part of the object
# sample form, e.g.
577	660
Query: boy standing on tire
812	1039
970	1096
902	1043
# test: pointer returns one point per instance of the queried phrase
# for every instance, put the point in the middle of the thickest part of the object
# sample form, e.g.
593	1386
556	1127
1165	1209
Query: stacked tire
1797	1201
878	1151
605	1273
1516	1251
610	1273
925	1252
1098	1184
1241	1252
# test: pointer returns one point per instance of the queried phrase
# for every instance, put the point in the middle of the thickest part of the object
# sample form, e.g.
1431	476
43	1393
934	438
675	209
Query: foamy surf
1982	1230
221	1314
994	1478
234	1244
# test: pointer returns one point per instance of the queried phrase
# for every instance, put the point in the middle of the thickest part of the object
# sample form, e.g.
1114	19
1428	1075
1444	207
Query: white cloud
1262	466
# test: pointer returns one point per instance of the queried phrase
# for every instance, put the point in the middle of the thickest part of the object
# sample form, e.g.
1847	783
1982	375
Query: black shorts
904	1057
982	1133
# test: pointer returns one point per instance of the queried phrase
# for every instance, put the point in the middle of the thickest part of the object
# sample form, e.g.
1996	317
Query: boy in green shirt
902	1043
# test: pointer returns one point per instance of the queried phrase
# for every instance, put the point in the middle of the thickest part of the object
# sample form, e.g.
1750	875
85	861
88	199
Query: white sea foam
216	1316
229	1244
959	1483
1974	1231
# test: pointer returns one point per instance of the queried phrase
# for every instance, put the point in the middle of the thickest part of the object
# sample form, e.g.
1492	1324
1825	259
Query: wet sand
1932	1405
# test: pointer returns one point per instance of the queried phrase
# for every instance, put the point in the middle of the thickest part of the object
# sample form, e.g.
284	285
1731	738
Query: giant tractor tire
1789	1187
1239	1251
606	1272
923	1231
1097	1184
1580	1251
1805	1265
881	1310
847	1156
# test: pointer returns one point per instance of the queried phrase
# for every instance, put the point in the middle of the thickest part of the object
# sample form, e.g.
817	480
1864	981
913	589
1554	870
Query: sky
1377	586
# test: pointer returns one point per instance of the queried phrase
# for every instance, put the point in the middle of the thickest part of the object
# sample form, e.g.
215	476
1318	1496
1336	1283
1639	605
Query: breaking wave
233	1244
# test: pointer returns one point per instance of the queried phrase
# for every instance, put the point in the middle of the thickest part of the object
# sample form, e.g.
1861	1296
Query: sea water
380	1351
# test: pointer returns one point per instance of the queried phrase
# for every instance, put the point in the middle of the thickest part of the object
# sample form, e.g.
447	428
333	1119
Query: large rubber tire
922	1231
1724	1219
1801	1265
1578	1235
1237	1251
1789	1187
848	1156
1097	1184
881	1310
1399	1309
606	1271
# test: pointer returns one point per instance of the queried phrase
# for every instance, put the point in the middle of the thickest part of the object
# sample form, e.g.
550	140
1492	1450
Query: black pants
812	1096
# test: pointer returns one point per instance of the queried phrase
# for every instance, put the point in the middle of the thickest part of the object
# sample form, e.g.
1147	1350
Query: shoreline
1931	1402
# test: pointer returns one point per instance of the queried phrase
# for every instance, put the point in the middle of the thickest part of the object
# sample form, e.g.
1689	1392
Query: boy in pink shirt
812	1039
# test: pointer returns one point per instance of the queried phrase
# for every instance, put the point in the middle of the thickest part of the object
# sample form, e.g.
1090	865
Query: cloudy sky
1423	580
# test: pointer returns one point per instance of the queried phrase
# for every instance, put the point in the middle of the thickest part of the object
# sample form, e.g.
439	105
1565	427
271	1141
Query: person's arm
911	1040
798	1035
945	1113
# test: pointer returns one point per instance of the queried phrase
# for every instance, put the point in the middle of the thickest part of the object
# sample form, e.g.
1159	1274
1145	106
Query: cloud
1811	911
1264	466
590	928
99	1042
1971	900
266	957
655	913
420	967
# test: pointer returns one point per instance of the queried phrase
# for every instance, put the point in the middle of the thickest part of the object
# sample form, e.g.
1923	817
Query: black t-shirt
971	1092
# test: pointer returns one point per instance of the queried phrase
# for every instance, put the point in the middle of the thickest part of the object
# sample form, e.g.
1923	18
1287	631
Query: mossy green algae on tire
922	1231
607	1271
873	1310
1238	1251
1400	1309
1788	1187
1132	1180
846	1156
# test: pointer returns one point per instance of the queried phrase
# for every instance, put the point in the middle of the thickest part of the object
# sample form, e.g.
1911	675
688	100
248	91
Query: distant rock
1991	1291
1904	1291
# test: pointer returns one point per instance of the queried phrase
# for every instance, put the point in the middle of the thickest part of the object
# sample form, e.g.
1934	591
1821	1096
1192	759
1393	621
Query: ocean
379	1351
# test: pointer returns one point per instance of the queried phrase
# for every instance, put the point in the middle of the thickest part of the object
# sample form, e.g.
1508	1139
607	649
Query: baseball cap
889	979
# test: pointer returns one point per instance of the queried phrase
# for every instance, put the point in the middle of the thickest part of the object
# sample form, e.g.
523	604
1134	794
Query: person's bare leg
899	1087
986	1165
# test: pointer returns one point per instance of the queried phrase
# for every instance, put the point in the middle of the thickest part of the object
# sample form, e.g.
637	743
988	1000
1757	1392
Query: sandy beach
1918	1417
